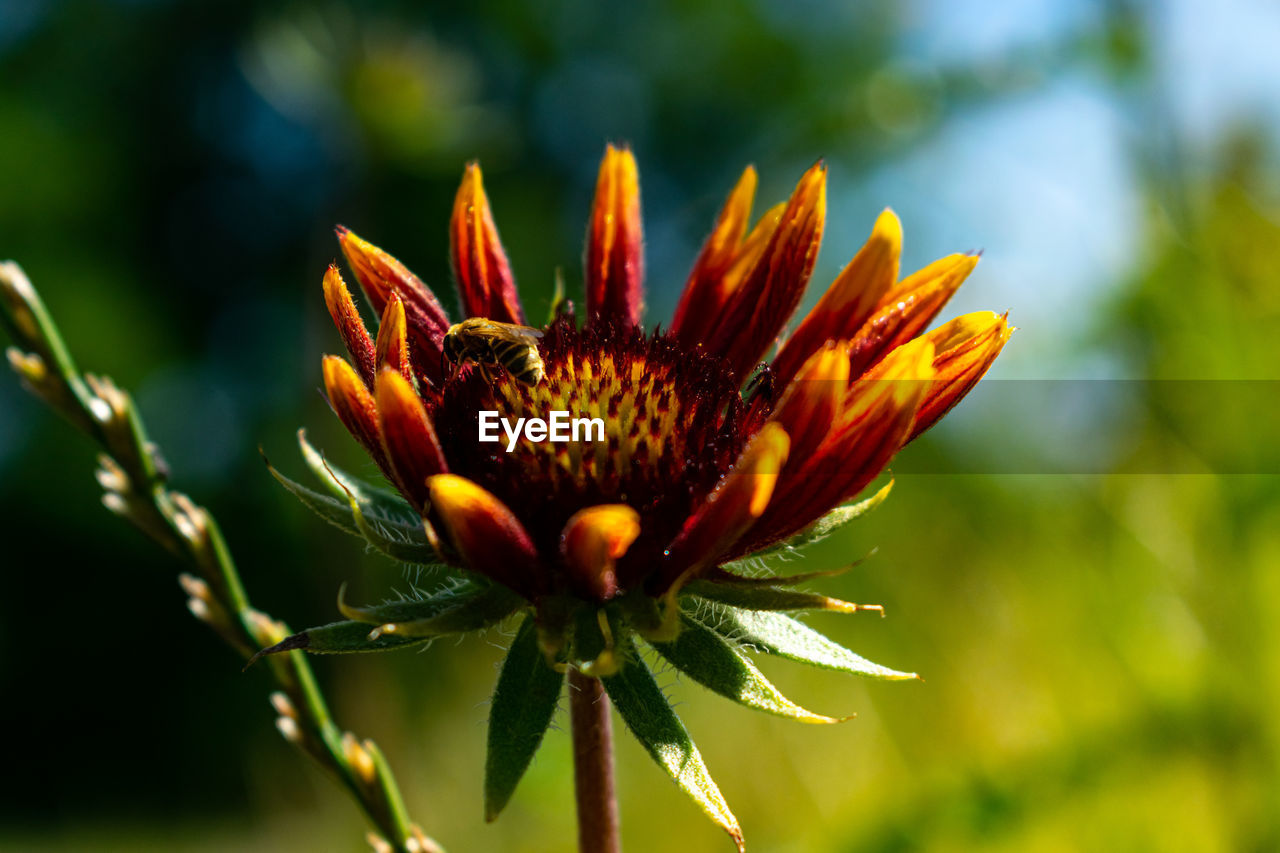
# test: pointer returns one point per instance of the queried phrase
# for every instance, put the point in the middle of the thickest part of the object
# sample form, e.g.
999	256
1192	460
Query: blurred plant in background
1104	679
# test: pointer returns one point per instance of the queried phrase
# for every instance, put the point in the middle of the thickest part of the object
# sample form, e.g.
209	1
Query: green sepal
412	607
783	636
643	613
456	610
378	501
338	638
719	575
829	524
404	541
594	647
559	301
651	719
403	623
759	597
395	535
336	512
523	705
713	662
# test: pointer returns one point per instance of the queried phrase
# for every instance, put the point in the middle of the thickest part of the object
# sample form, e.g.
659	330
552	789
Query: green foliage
375	502
649	716
713	662
340	638
362	512
762	597
523	704
776	634
453	610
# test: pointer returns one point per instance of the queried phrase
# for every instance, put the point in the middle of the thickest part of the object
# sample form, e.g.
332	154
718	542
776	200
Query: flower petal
380	275
748	257
957	264
703	296
757	309
966	348
874	422
491	540
593	540
849	301
392	350
737	501
485	282
350	326
915	301
353	404
408	437
811	405
615	244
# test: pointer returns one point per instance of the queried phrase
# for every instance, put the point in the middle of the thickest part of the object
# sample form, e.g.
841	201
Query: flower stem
589	711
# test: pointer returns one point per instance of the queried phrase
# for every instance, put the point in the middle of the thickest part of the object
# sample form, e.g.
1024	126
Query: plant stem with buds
134	477
589	712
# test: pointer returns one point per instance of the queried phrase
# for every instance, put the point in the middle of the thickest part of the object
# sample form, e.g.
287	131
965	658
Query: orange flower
707	457
854	383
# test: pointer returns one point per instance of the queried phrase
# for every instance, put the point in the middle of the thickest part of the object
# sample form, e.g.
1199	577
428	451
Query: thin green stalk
133	475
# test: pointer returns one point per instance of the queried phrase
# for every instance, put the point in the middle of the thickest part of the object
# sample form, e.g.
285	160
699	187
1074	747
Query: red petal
758	308
703	296
875	419
592	542
393	344
966	348
350	326
740	498
381	275
850	300
615	244
917	299
489	537
408	438
485	282
812	404
353	404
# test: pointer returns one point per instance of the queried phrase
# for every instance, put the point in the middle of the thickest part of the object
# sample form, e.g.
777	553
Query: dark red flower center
674	423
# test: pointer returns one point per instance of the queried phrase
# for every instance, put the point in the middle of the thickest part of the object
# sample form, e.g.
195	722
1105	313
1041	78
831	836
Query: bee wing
517	334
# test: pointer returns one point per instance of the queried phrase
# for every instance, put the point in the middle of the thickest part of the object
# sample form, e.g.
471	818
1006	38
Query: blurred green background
1098	622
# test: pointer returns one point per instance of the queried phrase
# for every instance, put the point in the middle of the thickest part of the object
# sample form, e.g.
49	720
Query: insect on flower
644	540
507	345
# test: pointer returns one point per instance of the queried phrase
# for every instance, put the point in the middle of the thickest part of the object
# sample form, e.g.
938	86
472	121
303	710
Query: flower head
710	454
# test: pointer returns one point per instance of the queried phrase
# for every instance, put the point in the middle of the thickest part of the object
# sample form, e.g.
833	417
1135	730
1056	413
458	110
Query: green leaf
399	540
408	608
454	611
708	659
776	634
395	535
559	302
649	716
829	524
757	597
377	501
523	705
403	623
336	512
339	638
718	575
